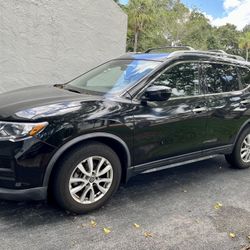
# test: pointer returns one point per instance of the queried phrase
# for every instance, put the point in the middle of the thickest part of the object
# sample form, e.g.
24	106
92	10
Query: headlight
11	131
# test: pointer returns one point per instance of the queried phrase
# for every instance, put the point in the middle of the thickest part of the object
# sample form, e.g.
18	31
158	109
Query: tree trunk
247	54
136	37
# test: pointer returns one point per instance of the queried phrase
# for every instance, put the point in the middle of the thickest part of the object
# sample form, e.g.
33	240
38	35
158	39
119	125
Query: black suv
135	114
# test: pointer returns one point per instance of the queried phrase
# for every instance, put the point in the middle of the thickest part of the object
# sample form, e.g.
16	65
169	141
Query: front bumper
39	193
22	166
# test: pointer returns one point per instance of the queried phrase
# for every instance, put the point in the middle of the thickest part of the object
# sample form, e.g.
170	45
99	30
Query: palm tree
245	43
140	14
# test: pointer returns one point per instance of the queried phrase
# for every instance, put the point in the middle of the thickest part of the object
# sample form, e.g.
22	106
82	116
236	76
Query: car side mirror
157	93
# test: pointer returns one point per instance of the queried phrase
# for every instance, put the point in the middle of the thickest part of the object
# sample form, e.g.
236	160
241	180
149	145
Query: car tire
86	178
240	157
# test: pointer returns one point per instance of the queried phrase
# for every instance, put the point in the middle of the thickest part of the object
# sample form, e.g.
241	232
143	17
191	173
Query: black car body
204	116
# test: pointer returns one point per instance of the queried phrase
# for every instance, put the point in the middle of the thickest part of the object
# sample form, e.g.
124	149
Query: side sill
181	160
36	194
178	164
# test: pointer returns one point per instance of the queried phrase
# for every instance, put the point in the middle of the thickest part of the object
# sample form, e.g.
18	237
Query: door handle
198	110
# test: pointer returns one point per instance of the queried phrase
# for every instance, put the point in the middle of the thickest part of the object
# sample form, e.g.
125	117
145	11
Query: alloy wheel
245	149
91	180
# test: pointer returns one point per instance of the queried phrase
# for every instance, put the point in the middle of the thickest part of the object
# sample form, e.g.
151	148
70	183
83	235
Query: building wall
45	42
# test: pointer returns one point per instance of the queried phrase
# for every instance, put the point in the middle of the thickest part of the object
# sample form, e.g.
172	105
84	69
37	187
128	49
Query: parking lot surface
196	206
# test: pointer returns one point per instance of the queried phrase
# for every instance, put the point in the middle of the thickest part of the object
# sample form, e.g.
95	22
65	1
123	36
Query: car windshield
112	77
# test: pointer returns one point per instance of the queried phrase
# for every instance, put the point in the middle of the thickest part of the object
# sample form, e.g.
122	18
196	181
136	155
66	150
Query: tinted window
221	78
182	78
244	77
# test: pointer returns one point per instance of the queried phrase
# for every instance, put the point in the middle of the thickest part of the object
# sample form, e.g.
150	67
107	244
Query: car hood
41	101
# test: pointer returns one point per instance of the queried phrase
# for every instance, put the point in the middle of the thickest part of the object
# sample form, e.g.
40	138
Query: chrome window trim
200	62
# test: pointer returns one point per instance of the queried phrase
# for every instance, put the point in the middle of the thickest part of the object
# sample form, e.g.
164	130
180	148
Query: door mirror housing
157	93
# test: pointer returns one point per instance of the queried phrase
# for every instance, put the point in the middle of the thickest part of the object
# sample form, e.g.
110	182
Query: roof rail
170	47
214	52
219	53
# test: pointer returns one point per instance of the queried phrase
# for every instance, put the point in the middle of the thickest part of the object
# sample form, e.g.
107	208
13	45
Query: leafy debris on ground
136	225
106	230
148	234
93	223
218	205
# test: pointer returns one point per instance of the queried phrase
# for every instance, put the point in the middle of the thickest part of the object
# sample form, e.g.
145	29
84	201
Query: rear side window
182	78
220	78
244	77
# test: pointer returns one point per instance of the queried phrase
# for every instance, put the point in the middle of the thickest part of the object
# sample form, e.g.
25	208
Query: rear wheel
240	157
88	176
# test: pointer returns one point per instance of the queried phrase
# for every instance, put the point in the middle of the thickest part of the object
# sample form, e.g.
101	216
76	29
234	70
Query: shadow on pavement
139	188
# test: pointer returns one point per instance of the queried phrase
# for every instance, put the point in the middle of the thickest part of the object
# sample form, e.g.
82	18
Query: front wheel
87	177
240	157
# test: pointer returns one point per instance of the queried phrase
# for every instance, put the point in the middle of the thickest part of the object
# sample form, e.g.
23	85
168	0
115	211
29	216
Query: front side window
183	79
220	78
244	77
113	77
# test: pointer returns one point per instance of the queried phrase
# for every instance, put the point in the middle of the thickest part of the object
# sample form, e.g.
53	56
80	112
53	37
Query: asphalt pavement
205	205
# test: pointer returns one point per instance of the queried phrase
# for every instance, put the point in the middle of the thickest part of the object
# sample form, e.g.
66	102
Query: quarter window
183	79
221	78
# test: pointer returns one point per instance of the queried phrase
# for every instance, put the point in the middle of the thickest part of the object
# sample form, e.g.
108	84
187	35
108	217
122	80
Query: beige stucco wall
45	41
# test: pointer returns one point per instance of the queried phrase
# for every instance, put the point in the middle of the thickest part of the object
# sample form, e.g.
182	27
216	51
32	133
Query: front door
174	127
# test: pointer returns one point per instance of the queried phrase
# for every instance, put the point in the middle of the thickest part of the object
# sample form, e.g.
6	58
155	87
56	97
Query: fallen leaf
218	205
93	223
106	230
136	225
232	235
148	234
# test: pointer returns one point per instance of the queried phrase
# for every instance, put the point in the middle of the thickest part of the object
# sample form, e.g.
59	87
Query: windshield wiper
60	86
73	90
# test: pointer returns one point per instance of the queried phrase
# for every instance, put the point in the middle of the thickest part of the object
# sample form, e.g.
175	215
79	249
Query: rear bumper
38	193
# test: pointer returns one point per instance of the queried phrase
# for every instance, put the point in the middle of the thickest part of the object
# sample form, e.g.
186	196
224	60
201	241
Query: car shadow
138	189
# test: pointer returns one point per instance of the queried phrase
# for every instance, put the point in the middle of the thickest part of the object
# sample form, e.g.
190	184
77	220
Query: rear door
228	104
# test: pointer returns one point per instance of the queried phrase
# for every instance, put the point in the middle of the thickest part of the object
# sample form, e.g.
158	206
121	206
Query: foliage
244	43
228	38
198	31
155	23
142	18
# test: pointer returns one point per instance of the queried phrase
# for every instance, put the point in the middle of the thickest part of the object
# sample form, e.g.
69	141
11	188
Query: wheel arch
243	126
113	141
